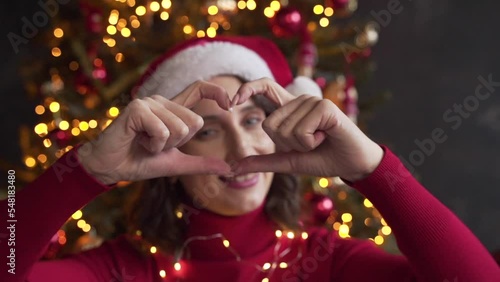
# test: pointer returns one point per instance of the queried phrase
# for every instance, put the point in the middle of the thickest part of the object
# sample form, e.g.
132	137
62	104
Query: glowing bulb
329	11
367	203
275	5
382	221
318	9
131	3
111	29
125	32
77	215
283	265
86	228
164	15
278	233
324	22
119	57
336	225
177	266
386	230
56	52
113	111
323	182
290	235
163	274
166	4
178	214
304	235
226	243
30	162
154	6
73	65
344	231
266	266
63	125
346	217
140	11
92	123
58	33
187	29
111	42
242	4
269	12
54	107
200	33
84	126
41	128
251	5
81	223
265	280
213	10
47	143
136	23
153	249
122	23
211	32
42	158
379	240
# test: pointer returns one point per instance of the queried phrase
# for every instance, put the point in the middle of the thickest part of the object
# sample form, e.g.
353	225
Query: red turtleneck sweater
436	245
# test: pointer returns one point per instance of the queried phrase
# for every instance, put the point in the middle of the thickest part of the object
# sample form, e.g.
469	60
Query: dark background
429	56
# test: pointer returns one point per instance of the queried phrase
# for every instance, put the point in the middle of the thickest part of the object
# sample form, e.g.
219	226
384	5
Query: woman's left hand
312	136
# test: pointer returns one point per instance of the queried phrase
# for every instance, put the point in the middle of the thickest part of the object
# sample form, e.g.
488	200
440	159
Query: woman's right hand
142	142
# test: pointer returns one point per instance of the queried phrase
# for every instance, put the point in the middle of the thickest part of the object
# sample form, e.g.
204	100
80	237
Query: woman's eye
205	133
253	120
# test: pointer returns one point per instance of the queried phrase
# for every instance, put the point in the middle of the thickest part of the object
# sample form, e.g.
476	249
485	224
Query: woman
222	152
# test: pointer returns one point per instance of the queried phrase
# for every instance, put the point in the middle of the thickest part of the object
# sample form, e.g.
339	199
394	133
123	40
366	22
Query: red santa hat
248	58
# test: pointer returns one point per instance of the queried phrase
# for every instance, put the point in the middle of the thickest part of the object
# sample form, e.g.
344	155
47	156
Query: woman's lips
241	181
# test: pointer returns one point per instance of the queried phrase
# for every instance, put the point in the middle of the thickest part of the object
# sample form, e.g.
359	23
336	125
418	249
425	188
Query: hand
312	136
142	142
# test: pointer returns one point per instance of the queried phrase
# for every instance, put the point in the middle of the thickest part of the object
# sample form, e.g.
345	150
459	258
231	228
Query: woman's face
231	137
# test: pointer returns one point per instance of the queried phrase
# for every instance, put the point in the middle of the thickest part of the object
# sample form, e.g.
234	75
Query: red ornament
287	22
60	137
322	206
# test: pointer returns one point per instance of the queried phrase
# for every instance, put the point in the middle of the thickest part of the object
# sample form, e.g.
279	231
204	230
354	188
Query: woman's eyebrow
216	117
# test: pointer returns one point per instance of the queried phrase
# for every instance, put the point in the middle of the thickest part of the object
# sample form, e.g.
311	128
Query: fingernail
231	109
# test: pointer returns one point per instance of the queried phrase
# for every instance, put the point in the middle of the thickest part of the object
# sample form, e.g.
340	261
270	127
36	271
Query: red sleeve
41	208
436	244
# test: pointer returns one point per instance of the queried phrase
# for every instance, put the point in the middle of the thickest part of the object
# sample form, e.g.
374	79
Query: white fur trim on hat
203	62
304	85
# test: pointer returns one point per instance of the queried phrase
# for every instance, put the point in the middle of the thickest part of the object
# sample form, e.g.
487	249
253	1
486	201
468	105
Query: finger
142	120
275	162
267	87
176	126
174	162
298	133
272	123
192	120
203	90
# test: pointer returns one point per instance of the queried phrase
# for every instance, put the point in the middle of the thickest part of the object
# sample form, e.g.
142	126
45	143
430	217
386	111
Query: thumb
174	162
282	162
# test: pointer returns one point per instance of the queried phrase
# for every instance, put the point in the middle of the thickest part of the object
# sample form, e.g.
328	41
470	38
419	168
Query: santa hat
248	58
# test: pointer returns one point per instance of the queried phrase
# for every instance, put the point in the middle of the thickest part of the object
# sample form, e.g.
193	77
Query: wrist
88	162
372	160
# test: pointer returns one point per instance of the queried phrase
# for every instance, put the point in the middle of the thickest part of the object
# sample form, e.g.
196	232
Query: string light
164	15
177	266
119	57
131	3
47	143
113	111
283	265
42	158
140	10
342	195
367	203
56	52
382	221
86	228
166	4
318	9
178	214
188	29
305	235
152	249
163	274
81	223
226	243
111	29
75	131
386	230
77	215
265	280
269	12
154	6
63	125
125	32
92	123
251	5
290	235
74	65
30	162
278	233
275	5
58	32
41	129
111	42
242	4
329	11
324	22
113	17
266	266
346	217
136	23
323	182
122	23
54	107
213	10
379	240
84	126
211	32
200	33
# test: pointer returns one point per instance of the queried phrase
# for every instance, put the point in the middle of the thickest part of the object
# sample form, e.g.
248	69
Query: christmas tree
96	51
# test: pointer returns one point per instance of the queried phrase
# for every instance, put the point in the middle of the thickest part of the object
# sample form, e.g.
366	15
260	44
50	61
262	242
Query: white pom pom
304	85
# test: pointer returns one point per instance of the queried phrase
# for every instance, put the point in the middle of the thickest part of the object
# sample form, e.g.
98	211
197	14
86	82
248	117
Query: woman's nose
239	146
